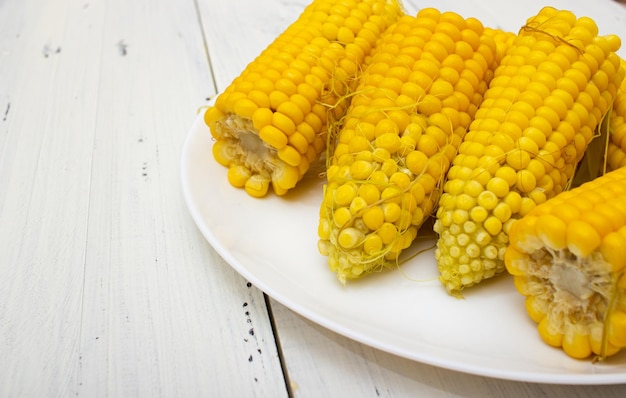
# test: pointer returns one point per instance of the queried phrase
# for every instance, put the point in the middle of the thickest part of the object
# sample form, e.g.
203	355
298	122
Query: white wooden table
107	288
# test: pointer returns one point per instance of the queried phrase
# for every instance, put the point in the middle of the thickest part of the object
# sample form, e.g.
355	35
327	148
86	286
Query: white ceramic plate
272	242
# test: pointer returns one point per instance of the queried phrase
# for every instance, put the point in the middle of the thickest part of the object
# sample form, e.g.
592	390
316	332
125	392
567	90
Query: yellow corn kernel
273	119
617	329
342	217
503	40
572	269
274	137
344	195
552	76
550	337
350	237
238	175
256	186
372	244
399	137
616	152
576	345
290	156
285	178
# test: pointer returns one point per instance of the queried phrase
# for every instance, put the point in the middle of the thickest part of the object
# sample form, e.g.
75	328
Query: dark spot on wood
47	50
250	358
249	284
251	332
245	304
122	48
6	112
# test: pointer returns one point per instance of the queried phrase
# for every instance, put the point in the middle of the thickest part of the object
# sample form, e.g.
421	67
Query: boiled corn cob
269	125
407	117
567	258
541	110
616	152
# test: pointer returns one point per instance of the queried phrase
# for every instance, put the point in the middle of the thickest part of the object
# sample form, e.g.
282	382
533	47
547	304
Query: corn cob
270	123
566	257
616	152
409	113
541	110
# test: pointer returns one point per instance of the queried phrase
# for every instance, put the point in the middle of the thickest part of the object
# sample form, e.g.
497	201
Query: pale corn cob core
552	88
616	151
413	104
270	124
566	256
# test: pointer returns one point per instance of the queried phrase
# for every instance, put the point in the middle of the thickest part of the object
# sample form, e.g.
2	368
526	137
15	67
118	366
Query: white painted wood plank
176	320
45	181
192	314
108	289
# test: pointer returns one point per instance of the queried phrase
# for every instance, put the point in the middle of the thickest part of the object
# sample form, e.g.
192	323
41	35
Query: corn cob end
564	258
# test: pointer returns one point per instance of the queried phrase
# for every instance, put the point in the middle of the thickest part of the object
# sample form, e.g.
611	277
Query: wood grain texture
108	289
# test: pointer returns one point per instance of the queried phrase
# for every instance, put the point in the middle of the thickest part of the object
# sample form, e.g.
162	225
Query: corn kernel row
616	151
